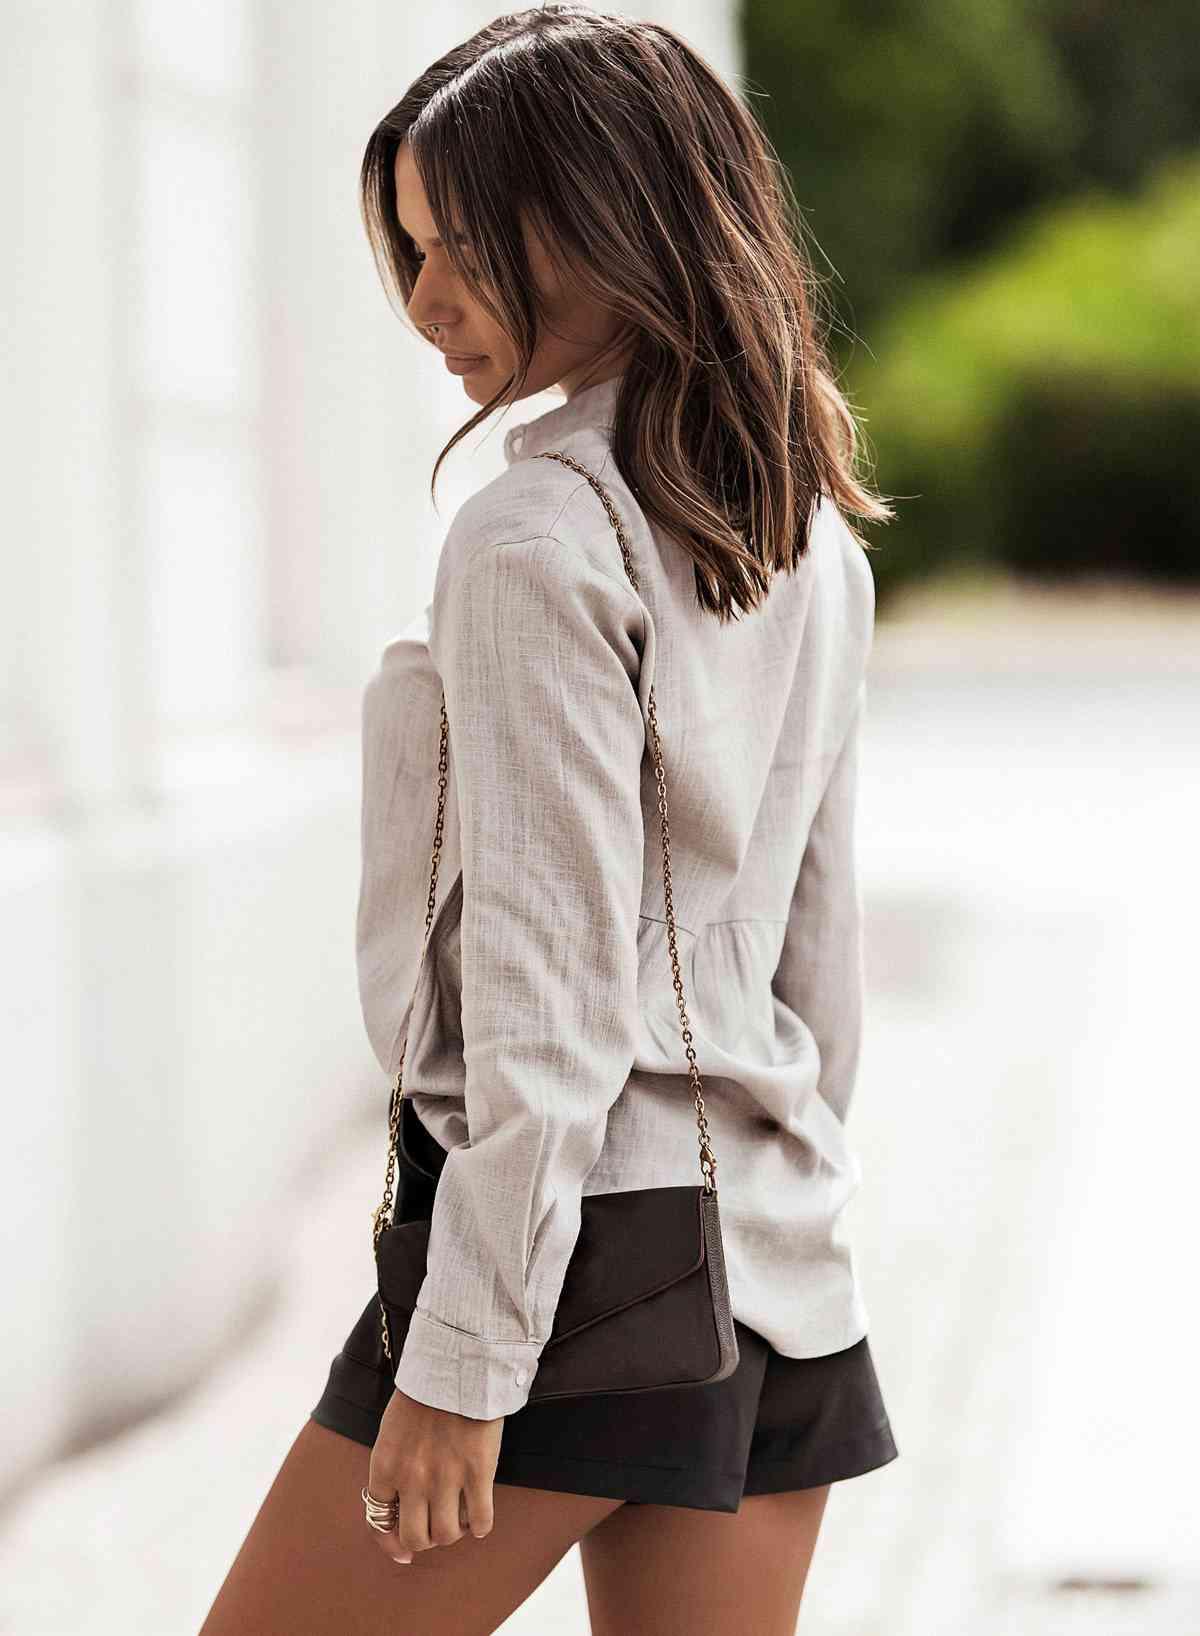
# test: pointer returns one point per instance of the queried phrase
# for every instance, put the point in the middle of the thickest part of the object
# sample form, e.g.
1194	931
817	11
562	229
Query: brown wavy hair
647	176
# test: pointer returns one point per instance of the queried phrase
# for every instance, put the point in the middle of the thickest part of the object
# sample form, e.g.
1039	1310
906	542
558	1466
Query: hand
441	1464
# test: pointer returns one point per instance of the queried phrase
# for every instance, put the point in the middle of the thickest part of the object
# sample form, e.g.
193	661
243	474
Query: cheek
479	322
555	295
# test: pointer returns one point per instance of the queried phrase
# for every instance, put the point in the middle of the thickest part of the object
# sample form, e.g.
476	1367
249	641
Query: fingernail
404	1559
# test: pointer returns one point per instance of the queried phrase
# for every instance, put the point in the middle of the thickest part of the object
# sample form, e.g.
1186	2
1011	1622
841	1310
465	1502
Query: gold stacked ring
382	1515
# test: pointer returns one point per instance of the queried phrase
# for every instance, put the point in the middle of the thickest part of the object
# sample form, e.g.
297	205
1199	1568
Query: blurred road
1026	1116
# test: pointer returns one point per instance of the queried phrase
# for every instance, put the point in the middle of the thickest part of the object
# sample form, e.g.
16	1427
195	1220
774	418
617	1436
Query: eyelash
473	272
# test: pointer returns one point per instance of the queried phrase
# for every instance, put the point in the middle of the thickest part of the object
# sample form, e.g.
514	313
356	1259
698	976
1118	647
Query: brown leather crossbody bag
644	1304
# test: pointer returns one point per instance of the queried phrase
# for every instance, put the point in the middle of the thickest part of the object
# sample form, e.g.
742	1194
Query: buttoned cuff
450	1368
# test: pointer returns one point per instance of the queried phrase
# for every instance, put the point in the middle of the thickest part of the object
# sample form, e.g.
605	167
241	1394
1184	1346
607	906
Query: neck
579	381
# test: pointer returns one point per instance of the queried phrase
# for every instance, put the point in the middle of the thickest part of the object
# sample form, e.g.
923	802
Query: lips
462	365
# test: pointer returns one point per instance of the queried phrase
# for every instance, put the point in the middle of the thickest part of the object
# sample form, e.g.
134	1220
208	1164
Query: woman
574	199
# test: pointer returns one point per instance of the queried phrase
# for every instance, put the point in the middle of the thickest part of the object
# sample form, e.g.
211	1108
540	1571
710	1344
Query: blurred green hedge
916	132
1042	408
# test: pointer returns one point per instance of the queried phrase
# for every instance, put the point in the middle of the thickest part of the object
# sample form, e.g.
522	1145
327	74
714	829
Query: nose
430	305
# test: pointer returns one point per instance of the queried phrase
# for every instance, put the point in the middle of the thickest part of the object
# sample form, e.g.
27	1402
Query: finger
388	1543
391	1547
477	1499
445	1525
381	1486
412	1523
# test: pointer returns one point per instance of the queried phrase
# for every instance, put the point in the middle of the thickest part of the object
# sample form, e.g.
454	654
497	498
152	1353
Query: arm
820	972
539	655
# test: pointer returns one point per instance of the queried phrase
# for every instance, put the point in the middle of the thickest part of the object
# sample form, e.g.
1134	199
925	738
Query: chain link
381	1216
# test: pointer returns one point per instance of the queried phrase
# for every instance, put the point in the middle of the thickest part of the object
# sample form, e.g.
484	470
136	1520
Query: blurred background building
219	441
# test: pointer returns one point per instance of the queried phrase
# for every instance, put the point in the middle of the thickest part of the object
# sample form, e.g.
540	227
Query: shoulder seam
621	579
529	539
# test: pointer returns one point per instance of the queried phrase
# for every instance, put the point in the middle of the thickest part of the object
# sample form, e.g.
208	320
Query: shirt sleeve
820	972
539	656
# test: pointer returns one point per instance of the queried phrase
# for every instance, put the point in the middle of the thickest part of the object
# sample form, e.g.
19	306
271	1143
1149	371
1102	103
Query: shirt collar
591	406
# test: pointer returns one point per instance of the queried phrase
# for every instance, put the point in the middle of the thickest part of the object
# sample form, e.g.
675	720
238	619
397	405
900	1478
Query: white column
71	685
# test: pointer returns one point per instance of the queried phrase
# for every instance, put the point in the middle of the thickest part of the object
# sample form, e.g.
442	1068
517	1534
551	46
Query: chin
478	383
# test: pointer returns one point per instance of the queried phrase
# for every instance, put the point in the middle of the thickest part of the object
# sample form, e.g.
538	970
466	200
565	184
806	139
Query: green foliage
915	132
1135	77
1116	482
904	127
1043	407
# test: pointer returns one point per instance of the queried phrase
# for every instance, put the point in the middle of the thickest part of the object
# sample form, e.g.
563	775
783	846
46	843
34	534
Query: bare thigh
662	1569
310	1566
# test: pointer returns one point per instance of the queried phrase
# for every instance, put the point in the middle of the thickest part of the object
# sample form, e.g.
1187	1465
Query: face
566	356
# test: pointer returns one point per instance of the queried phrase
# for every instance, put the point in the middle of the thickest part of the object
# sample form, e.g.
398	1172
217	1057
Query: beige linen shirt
544	1042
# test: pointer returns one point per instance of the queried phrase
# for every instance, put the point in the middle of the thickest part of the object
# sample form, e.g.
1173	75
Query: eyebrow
462	238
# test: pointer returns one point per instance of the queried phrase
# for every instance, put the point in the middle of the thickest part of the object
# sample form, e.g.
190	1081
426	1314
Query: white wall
219	440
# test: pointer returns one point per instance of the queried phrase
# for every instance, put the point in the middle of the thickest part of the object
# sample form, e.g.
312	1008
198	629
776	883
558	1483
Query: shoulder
540	519
844	572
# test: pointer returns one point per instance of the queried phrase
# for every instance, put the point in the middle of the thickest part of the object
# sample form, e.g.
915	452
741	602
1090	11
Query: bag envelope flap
631	1245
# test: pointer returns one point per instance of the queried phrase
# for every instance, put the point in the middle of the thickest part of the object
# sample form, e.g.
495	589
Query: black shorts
776	1423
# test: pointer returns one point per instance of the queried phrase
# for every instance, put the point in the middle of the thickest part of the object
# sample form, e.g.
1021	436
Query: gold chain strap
708	1163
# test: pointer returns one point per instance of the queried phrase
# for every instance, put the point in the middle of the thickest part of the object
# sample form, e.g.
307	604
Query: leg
661	1569
310	1567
